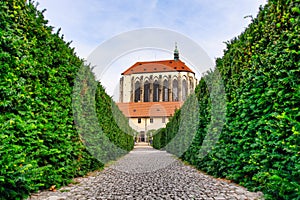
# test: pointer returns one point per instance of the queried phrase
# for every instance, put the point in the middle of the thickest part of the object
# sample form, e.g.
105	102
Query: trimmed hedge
259	146
39	144
103	128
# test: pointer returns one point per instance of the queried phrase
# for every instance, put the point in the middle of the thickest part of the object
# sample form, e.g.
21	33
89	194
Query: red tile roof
149	109
157	66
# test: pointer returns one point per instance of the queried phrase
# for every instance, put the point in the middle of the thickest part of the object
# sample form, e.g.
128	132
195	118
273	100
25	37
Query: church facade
151	91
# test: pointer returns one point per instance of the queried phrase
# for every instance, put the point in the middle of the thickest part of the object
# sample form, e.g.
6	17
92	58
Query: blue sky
89	23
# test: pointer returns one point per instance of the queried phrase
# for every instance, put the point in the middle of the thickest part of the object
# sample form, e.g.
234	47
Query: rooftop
149	109
157	66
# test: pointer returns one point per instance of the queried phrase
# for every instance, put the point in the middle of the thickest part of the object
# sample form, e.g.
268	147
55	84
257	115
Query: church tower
176	53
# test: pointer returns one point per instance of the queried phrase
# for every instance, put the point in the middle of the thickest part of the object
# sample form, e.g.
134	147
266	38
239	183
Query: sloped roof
149	109
157	66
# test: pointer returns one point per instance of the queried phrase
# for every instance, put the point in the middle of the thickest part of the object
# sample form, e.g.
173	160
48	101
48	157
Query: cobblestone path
146	173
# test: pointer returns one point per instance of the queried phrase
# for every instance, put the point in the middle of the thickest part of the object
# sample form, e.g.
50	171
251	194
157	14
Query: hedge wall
158	138
259	146
39	144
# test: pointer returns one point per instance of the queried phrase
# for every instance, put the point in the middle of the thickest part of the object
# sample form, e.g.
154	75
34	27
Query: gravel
146	173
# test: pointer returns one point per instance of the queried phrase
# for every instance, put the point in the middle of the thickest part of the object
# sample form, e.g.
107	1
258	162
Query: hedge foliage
259	145
114	124
103	128
39	144
159	138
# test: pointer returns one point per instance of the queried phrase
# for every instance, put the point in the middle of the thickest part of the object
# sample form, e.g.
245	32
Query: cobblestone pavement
146	173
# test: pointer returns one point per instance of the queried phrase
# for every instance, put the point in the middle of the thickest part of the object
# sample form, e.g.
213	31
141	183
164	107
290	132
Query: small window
139	120
151	120
163	120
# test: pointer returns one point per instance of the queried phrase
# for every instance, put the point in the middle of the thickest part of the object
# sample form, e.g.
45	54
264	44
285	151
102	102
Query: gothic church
151	91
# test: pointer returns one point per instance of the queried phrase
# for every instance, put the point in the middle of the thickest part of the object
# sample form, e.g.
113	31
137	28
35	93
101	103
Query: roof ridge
159	61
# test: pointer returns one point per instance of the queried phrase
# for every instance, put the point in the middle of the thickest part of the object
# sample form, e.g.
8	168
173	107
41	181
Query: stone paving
146	173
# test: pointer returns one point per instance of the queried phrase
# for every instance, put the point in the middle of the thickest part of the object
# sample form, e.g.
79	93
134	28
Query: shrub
259	143
39	144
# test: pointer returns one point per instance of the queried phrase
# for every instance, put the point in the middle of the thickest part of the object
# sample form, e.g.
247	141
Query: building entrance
142	137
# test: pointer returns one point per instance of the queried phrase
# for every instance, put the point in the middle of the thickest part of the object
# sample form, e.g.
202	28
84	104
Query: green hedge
103	128
114	124
159	138
259	146
39	143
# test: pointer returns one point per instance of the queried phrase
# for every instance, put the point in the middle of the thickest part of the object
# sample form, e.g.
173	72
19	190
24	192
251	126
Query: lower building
147	116
151	91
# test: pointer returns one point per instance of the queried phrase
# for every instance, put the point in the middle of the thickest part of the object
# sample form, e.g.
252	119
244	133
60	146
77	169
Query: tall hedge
39	143
259	146
158	141
114	124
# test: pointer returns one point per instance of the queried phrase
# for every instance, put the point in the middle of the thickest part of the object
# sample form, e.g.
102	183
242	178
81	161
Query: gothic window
184	90
147	91
155	91
191	86
175	90
137	92
165	91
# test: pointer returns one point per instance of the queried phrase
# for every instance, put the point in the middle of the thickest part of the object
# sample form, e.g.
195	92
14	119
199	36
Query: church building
151	91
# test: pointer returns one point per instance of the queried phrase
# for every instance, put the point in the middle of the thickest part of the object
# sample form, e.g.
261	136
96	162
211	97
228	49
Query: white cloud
89	23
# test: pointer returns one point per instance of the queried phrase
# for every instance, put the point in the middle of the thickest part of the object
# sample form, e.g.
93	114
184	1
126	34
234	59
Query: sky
91	23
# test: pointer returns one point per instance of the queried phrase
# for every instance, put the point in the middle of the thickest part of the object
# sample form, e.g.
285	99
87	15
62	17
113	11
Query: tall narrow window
175	90
184	90
137	92
139	120
165	91
155	91
151	120
147	91
191	86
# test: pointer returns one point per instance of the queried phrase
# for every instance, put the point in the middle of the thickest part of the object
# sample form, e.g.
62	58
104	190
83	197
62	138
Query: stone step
142	144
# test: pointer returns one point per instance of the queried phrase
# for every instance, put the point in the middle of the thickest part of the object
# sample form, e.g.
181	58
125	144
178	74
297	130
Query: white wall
127	83
146	125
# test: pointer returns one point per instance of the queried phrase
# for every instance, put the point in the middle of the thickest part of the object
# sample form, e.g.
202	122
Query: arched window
191	86
175	90
184	90
147	91
156	91
166	91
137	92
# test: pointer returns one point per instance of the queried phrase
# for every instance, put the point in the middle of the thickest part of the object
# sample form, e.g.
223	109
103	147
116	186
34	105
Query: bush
259	143
39	144
157	138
